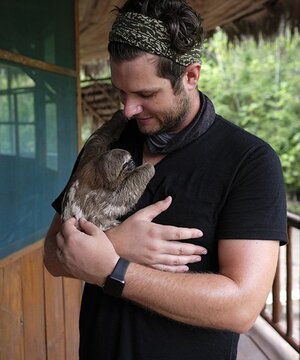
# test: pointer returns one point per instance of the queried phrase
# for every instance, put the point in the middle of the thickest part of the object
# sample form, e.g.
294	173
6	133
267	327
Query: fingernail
204	252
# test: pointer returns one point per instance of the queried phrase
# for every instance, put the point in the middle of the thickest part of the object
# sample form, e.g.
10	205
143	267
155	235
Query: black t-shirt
229	184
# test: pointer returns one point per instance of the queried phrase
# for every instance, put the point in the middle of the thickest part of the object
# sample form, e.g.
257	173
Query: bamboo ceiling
238	18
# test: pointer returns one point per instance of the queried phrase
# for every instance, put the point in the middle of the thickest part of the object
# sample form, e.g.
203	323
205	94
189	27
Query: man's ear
192	76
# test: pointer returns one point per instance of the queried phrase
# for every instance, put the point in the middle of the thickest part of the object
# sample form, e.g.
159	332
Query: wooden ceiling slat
96	19
243	9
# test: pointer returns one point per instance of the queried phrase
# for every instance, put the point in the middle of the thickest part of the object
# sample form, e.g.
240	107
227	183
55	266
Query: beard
170	120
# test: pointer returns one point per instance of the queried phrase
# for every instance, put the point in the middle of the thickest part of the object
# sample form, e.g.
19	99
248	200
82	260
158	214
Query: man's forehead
143	67
143	57
138	75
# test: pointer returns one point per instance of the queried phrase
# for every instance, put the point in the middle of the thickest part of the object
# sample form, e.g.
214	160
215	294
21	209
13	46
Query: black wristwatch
115	282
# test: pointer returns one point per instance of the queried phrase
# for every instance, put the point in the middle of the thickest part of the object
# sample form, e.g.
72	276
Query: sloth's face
115	165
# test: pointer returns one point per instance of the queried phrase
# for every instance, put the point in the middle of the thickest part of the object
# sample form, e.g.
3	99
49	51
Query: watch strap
115	282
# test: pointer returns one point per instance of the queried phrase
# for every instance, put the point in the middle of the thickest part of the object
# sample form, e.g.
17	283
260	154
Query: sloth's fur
106	184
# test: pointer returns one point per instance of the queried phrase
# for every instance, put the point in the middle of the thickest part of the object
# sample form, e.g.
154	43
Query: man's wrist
115	282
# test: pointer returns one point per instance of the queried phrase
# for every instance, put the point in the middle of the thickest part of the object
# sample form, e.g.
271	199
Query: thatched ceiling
236	17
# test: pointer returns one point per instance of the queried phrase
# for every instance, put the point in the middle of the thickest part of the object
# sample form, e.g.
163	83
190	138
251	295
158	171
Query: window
17	125
42	30
38	146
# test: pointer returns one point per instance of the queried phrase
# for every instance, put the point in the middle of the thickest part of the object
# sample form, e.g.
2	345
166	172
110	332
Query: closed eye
129	165
143	93
147	95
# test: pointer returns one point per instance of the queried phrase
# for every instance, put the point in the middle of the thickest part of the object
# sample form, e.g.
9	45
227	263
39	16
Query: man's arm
159	248
231	299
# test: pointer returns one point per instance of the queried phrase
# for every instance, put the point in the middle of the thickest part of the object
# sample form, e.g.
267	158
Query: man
148	293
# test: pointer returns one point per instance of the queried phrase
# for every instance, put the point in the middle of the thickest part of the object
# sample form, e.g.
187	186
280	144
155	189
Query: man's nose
131	107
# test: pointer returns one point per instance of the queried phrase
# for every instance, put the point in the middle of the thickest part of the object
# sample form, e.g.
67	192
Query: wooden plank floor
262	342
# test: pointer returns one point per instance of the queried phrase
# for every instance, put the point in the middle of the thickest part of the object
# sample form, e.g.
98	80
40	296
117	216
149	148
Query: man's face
148	98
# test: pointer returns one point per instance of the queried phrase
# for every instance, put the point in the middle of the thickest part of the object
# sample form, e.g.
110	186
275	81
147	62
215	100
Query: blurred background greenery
257	86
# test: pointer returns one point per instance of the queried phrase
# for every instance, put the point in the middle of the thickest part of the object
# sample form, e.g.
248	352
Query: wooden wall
38	313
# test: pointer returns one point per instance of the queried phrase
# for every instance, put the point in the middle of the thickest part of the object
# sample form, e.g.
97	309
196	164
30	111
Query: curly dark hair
183	24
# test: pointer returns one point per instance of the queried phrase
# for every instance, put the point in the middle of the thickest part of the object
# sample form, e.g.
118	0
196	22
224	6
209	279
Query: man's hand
140	240
86	254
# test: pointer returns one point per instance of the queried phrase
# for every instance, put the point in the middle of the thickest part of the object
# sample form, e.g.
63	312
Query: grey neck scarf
165	143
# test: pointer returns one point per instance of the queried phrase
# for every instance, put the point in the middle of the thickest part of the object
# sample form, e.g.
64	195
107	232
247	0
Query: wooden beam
78	85
38	64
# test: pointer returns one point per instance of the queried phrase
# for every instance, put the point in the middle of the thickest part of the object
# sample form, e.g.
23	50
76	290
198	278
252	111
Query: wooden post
276	305
289	285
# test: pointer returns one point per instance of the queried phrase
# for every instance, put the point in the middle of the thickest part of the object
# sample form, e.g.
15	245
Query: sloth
106	184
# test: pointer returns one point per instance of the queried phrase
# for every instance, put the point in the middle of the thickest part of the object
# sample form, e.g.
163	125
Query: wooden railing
282	310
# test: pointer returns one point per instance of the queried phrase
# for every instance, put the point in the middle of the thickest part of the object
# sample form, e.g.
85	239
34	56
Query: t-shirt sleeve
255	207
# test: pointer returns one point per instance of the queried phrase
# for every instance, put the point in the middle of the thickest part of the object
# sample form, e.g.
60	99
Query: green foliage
257	87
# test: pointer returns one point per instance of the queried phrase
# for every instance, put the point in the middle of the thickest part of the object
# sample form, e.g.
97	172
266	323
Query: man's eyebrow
152	90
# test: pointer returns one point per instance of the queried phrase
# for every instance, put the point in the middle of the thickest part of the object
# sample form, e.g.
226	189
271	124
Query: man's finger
68	226
169	232
60	242
173	269
87	227
60	255
151	211
174	248
177	260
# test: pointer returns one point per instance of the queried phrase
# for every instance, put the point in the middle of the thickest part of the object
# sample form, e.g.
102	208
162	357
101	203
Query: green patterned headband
150	35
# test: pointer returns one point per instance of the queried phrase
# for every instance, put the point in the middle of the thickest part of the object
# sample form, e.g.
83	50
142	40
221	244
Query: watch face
114	286
115	282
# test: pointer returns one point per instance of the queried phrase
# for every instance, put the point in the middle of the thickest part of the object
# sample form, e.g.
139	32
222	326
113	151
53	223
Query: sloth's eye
129	165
